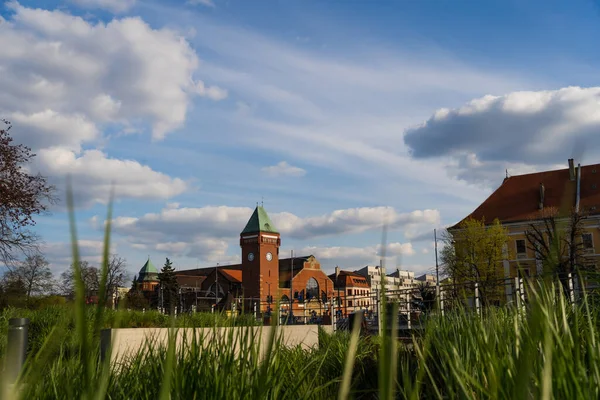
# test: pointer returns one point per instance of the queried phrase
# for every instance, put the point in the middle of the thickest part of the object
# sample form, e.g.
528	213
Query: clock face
250	256
269	256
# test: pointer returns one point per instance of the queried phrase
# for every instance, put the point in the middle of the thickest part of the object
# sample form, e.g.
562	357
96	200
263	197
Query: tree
35	275
428	296
117	274
89	276
556	243
473	253
22	197
12	293
168	287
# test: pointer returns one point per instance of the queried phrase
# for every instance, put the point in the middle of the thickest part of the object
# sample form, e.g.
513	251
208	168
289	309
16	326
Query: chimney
337	271
571	169
542	192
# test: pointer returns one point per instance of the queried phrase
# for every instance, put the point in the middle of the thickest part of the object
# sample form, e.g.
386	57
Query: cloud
66	80
93	174
284	169
212	92
184	224
59	254
521	131
116	6
357	257
123	68
207	3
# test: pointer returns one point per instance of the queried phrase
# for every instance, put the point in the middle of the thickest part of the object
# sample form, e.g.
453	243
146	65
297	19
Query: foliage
474	253
168	287
34	274
22	197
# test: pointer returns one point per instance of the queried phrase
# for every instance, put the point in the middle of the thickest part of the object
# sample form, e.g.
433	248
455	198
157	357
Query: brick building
263	278
352	290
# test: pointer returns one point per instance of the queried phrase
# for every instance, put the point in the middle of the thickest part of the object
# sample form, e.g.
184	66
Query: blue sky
339	114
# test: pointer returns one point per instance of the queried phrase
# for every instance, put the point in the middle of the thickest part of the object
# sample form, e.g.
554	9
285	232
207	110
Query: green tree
474	253
168	287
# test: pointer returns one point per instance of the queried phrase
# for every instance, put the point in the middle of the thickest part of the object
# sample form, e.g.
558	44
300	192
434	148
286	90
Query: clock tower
260	243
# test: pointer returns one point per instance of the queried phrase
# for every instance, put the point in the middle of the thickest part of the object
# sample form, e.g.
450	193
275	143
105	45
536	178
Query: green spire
259	222
148	272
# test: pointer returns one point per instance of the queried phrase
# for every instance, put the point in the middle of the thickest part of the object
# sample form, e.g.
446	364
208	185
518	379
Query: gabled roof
190	281
259	222
518	197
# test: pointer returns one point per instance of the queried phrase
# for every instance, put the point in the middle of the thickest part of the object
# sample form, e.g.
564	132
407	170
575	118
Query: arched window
285	299
312	289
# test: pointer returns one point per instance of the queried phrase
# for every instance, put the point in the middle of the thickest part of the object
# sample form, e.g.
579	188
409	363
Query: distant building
352	290
263	278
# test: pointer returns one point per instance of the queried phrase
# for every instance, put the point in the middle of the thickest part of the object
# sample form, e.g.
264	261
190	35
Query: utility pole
437	271
216	285
291	287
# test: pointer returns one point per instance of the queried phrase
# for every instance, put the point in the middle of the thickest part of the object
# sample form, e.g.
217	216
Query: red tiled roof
232	275
517	199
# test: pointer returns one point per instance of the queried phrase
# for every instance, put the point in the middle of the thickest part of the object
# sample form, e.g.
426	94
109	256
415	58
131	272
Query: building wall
527	262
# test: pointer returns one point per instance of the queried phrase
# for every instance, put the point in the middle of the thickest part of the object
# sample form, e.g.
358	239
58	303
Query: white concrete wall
126	342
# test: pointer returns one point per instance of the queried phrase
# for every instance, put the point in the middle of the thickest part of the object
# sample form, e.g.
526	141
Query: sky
339	116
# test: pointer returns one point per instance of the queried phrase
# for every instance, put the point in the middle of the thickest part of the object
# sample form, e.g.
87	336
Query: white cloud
64	80
207	3
116	6
212	92
227	222
123	69
283	169
93	174
520	131
357	257
59	254
48	128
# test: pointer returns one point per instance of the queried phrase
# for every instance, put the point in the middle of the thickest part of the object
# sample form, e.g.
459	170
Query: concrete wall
126	342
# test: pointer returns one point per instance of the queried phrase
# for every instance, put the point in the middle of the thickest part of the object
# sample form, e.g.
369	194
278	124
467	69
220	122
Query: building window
312	289
349	303
349	292
521	248
588	243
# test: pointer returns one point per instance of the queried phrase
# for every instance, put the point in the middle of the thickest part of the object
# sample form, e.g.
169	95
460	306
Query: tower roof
259	222
148	272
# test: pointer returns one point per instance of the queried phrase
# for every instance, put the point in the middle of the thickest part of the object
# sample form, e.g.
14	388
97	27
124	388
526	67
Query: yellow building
523	200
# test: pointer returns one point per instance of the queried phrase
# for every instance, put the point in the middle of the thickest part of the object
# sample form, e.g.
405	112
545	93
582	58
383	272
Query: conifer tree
168	286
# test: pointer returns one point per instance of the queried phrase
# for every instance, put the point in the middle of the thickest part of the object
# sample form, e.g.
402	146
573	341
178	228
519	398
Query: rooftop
518	197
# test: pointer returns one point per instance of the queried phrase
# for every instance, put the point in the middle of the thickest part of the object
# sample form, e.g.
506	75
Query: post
571	291
332	306
408	319
255	314
437	272
477	298
442	302
517	294
16	349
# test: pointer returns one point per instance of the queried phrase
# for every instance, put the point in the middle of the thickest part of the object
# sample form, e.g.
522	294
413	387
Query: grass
549	349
